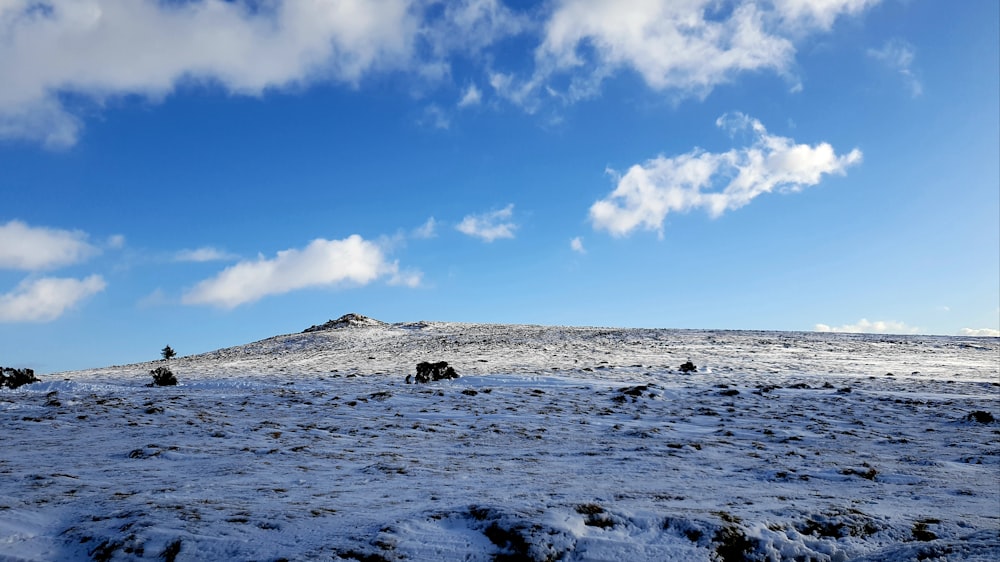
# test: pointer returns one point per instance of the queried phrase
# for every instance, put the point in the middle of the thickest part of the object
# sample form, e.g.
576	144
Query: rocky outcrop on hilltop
350	320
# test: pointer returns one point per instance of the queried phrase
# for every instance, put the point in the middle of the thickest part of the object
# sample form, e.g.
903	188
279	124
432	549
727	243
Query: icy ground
556	444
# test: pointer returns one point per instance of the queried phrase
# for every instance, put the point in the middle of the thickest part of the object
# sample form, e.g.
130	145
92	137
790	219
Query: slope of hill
556	443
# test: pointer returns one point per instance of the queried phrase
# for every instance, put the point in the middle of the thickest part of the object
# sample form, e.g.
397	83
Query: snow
556	443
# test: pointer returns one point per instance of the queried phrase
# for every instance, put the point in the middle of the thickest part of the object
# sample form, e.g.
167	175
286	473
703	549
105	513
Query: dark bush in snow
162	376
13	378
689	367
427	372
980	416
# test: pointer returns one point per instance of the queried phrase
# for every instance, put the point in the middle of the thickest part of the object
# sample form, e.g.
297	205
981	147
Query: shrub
13	378
427	372
689	367
162	376
980	416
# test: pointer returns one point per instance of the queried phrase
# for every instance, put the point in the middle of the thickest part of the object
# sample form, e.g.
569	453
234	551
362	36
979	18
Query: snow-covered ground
556	444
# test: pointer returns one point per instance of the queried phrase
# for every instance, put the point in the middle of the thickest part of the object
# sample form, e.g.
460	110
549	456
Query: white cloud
472	96
898	56
717	183
980	332
32	248
576	245
802	15
864	326
489	226
684	48
103	48
92	51
672	45
204	254
351	261
45	299
426	230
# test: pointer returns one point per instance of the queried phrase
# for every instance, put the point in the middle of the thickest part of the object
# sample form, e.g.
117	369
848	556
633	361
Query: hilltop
562	443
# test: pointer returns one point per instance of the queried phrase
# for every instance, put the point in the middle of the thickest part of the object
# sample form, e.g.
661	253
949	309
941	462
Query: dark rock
689	367
634	391
427	372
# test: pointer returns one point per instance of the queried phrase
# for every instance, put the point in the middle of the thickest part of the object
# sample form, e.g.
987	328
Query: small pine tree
168	352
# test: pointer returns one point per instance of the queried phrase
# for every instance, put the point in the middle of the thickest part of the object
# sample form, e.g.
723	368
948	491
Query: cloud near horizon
98	50
322	263
489	226
45	299
864	326
980	332
716	183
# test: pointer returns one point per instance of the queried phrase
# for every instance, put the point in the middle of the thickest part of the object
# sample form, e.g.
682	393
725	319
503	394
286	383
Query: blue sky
203	173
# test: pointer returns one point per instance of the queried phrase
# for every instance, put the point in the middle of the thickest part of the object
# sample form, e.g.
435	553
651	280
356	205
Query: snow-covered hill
556	444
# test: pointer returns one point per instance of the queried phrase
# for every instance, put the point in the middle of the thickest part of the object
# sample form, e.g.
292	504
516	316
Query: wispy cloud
426	230
204	254
898	56
717	183
45	299
489	226
472	96
36	248
116	241
980	332
351	261
468	27
409	278
436	117
576	245
864	326
156	298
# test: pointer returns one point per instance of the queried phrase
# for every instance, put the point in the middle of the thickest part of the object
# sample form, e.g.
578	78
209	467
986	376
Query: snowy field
555	444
